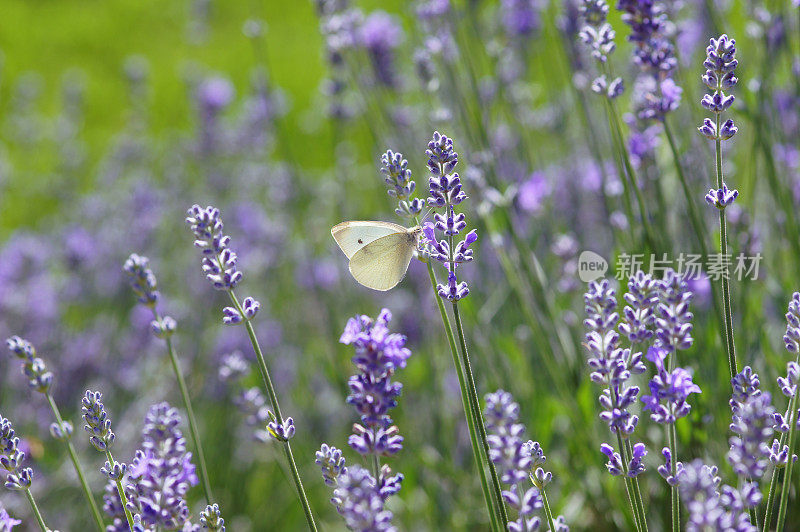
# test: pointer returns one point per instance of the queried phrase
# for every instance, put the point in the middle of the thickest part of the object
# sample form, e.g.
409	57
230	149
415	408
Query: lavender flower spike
514	459
17	478
360	503
211	518
445	192
97	423
378	354
33	368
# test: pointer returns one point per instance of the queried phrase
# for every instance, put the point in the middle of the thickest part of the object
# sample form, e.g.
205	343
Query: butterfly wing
352	236
382	264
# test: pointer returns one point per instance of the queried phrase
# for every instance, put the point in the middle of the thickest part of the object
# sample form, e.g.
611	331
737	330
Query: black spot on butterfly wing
360	241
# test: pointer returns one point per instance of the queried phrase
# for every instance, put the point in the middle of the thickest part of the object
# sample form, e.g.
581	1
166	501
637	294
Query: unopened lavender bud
332	463
164	327
211	518
281	431
231	316
721	198
614	464
250	307
114	472
61	431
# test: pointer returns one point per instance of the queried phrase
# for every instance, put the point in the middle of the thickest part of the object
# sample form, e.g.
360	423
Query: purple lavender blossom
7	523
17	478
142	279
665	470
398	178
219	261
378	354
714	507
98	425
33	368
598	36
638	314
752	427
513	458
611	365
359	501
446	193
721	198
521	18
669	390
160	474
332	463
673	318
380	34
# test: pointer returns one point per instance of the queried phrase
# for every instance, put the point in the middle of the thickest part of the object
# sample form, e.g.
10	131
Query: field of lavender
578	307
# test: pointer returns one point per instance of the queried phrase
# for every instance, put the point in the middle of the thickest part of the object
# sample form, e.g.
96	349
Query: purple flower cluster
332	463
521	18
514	459
720	65
7	523
379	35
598	36
33	367
160	475
219	261
673	318
669	390
98	425
17	478
446	193
360	499
638	314
752	427
611	365
398	178
654	53
378	354
142	279
714	507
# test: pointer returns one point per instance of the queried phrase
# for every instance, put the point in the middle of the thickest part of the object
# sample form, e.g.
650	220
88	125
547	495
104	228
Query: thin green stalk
547	511
787	476
187	403
36	512
726	291
273	397
773	484
476	411
694	217
121	492
77	465
628	483
637	492
648	231
675	496
476	449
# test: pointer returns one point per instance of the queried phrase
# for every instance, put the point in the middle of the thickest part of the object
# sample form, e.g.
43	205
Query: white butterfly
379	252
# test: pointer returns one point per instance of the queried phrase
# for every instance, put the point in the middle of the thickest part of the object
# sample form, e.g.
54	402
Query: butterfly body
379	252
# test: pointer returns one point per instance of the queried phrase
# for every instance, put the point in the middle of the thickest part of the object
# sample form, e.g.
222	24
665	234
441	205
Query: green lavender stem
36	512
476	449
262	365
476	411
694	217
628	483
77	465
547	511
187	403
723	244
121	492
675	496
787	477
